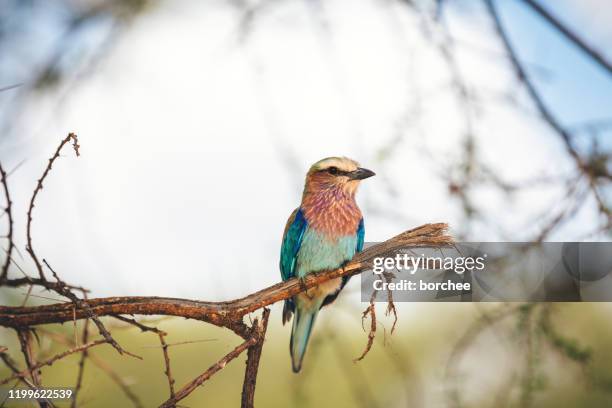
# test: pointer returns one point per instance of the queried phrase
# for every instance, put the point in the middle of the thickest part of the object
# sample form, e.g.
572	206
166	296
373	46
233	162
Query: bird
323	233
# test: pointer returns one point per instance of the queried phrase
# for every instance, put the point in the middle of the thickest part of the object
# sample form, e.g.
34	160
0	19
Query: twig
570	35
252	363
12	365
181	343
371	310
25	340
39	187
81	304
27	295
164	347
16	283
6	88
60	287
565	213
526	80
136	323
117	379
84	355
390	304
168	372
199	380
541	107
35	367
9	235
22	377
102	365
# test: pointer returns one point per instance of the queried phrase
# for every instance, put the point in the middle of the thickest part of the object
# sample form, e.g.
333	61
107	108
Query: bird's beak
361	174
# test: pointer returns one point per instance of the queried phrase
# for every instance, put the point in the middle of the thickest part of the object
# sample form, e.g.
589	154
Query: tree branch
225	314
38	189
84	355
164	346
37	366
585	167
100	363
25	340
12	365
28	281
9	235
524	78
252	363
63	290
199	380
570	35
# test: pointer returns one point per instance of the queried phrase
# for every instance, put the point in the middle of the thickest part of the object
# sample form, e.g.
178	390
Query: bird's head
335	173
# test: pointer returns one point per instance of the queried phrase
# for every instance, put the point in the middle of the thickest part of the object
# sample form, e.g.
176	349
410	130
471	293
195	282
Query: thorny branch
38	189
589	167
371	311
570	35
227	314
12	365
168	371
9	214
470	169
82	360
252	363
59	286
199	380
102	365
25	340
164	347
36	367
63	290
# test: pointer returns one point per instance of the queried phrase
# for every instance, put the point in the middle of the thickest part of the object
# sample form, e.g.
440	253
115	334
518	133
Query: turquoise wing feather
360	236
292	240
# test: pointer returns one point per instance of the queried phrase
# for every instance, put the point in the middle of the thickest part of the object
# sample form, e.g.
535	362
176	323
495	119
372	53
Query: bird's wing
292	240
360	236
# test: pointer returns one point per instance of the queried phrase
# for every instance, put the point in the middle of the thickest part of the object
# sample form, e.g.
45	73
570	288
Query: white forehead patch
342	163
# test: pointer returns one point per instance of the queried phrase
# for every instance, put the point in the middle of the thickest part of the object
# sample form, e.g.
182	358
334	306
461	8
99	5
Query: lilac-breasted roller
323	233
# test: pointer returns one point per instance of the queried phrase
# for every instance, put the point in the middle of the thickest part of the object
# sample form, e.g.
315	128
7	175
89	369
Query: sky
579	90
195	141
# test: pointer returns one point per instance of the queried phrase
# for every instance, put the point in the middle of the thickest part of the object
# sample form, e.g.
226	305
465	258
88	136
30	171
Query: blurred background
197	122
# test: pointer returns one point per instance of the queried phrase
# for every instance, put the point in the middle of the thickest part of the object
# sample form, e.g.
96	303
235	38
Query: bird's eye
333	170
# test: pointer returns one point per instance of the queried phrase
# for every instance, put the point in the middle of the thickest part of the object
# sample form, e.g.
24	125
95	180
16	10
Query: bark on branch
225	314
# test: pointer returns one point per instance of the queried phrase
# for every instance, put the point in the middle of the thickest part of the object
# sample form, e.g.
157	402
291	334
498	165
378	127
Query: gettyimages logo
410	263
480	272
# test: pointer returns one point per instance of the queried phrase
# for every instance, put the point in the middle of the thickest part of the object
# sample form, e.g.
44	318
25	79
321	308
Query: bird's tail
300	333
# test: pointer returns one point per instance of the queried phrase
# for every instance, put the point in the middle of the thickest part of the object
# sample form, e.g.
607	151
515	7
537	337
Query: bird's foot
303	287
